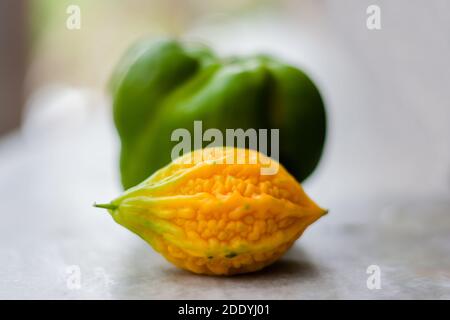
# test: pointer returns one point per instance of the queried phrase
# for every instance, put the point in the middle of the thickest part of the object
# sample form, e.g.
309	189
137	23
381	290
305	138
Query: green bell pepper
162	85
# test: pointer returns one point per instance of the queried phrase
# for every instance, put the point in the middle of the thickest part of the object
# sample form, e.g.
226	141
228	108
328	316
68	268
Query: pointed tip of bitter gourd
108	206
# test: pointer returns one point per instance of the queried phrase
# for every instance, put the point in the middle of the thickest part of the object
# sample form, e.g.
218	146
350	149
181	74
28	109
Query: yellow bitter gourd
210	216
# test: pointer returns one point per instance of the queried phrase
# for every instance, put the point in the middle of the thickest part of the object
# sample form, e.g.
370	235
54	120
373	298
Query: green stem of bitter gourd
109	206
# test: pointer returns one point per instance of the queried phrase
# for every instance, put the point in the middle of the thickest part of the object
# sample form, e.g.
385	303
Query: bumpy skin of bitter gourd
217	217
